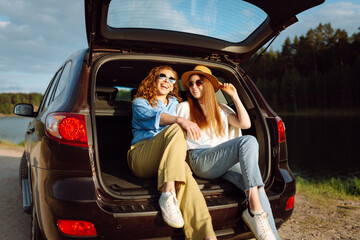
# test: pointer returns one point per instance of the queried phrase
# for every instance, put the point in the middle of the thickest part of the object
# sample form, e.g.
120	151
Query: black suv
75	180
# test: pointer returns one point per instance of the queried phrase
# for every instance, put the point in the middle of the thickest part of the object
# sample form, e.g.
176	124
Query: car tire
23	169
35	230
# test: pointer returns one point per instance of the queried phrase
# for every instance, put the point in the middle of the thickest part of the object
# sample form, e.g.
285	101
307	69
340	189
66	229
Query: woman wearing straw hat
217	154
158	148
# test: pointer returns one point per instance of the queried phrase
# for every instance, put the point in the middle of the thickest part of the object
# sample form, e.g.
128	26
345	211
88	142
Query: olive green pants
164	156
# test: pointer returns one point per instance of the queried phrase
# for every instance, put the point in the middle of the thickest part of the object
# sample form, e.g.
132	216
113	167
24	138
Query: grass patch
9	143
22	144
333	187
6	142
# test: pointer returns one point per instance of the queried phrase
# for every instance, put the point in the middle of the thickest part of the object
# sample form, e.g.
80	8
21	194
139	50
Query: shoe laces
263	219
170	202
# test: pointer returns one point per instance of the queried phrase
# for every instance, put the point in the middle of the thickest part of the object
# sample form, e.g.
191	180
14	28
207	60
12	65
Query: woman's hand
241	119
191	127
229	89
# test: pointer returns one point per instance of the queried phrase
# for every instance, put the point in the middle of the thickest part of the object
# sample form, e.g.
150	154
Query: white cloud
145	13
24	82
4	23
35	38
342	15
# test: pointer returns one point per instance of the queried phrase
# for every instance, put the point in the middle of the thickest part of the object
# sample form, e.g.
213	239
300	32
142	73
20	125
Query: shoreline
6	146
322	113
7	143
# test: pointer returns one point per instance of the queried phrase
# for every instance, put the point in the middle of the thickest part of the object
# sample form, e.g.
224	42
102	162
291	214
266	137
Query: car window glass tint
62	81
42	104
229	20
50	96
47	94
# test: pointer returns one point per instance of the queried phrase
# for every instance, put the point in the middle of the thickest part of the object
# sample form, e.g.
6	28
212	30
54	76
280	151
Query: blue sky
37	36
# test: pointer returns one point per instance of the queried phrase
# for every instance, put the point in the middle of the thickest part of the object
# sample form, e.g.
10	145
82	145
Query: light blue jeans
236	161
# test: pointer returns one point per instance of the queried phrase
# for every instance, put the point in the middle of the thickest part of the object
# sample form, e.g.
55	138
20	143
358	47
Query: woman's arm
241	119
191	127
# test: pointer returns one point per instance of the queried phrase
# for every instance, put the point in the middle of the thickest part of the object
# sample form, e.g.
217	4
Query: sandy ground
314	217
14	223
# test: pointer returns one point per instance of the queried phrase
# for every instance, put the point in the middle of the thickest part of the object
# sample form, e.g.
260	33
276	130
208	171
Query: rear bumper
71	196
74	198
283	188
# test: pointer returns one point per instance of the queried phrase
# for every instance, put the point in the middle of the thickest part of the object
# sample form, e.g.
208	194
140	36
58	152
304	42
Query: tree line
9	100
319	70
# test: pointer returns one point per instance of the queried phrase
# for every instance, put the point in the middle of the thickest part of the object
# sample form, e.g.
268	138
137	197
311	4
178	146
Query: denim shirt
146	119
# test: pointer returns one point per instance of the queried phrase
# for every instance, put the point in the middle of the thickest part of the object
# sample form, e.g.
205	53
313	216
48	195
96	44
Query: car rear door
233	28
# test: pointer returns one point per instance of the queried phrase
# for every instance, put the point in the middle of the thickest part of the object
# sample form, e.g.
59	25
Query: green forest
317	71
9	100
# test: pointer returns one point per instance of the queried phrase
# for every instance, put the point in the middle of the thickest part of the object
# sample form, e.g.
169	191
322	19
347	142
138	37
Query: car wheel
23	169
35	230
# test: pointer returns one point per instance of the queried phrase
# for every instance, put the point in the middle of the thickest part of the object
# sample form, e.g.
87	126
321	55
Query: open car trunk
115	80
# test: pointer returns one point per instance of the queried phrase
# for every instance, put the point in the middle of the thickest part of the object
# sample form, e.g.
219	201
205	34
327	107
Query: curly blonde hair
147	88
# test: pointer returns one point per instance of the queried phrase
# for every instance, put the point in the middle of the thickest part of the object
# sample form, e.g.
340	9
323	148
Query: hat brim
213	80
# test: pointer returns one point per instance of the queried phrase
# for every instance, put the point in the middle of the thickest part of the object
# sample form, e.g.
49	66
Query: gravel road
14	223
315	217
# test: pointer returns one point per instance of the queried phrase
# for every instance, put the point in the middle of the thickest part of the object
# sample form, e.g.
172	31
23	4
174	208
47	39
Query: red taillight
67	128
77	228
290	203
281	129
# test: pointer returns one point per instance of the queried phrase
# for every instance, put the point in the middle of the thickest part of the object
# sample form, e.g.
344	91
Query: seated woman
214	154
158	149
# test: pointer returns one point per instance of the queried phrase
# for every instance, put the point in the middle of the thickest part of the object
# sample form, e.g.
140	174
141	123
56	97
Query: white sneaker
169	206
259	225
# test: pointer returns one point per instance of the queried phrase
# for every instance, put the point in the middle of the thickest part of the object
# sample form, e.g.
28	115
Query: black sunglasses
163	77
197	82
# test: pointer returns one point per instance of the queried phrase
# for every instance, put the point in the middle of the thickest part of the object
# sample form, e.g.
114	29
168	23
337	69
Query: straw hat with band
204	71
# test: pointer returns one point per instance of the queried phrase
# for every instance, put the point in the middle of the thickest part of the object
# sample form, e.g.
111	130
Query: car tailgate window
228	20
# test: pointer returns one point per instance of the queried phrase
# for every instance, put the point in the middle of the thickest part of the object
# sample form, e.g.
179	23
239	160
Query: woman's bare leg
168	186
254	201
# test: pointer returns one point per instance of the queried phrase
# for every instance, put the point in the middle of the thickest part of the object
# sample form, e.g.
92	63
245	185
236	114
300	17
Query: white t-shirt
209	139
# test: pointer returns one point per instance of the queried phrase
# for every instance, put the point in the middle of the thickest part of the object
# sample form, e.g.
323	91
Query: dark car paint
57	199
66	183
68	170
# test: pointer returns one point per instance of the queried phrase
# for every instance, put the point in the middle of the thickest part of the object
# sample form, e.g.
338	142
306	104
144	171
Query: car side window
48	92
63	78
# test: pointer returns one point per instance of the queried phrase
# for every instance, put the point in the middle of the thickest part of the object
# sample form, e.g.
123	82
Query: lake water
325	146
13	128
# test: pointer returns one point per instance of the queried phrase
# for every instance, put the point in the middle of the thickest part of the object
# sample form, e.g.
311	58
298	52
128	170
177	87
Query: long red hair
207	116
147	88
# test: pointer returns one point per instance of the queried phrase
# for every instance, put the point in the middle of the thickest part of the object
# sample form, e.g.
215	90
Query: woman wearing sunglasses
216	153
158	149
